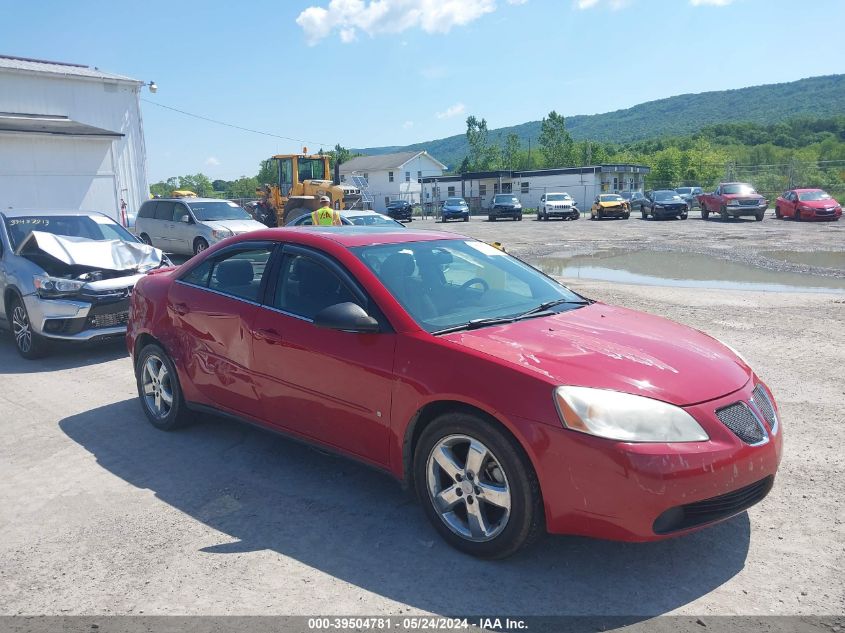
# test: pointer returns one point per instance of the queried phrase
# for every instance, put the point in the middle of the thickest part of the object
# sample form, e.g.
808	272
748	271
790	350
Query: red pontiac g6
511	404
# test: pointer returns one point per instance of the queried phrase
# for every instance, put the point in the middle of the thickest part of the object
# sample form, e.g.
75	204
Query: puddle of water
683	270
821	259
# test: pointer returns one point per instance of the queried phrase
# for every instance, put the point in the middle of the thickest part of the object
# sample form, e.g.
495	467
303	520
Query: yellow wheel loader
301	180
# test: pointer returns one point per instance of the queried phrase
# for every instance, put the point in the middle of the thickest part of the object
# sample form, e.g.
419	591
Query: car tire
626	216
778	214
684	216
796	215
723	213
504	470
705	214
759	217
29	344
146	239
200	245
519	218
491	218
157	380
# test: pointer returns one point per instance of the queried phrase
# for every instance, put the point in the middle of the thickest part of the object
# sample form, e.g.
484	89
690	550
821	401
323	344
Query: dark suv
505	205
400	210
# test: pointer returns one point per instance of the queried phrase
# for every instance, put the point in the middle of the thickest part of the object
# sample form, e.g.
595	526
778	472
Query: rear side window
164	211
237	273
148	210
306	286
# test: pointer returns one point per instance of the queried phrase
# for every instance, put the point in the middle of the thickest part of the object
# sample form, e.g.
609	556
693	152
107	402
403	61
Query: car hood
235	226
615	348
736	196
819	204
615	203
455	207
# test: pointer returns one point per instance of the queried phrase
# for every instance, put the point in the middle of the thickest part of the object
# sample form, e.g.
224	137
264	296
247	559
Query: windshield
738	190
610	197
504	198
665	196
397	203
447	283
373	219
809	196
684	189
311	169
92	227
223	210
558	197
456	202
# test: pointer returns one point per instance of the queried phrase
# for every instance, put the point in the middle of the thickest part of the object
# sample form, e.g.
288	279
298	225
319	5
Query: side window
239	273
148	210
199	275
164	211
178	211
236	273
305	287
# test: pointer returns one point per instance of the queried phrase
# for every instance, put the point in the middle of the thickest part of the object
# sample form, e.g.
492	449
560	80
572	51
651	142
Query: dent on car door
324	384
212	307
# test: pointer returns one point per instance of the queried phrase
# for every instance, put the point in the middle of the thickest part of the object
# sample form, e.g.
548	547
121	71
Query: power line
237	127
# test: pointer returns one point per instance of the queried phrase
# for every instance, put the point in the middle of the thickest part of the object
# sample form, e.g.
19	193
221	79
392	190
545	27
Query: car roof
347	236
188	199
664	191
806	190
16	213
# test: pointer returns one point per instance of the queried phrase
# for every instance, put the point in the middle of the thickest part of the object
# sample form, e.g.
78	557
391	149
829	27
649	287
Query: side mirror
186	219
346	317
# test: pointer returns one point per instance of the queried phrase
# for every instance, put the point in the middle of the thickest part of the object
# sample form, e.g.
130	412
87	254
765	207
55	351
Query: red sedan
807	204
510	403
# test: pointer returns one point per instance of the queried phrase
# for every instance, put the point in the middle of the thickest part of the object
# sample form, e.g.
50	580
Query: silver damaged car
67	275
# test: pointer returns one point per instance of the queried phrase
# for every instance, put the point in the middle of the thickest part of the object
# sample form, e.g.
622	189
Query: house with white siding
70	138
582	183
393	176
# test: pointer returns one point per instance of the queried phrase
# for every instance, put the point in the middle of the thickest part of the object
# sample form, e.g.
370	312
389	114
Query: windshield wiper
543	307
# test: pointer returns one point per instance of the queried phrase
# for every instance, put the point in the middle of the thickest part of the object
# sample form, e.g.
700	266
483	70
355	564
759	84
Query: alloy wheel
158	390
21	329
468	488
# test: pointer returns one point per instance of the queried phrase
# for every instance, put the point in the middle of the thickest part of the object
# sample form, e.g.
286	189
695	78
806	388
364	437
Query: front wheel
723	213
477	487
704	213
199	245
519	218
759	217
778	214
626	216
466	218
491	218
29	344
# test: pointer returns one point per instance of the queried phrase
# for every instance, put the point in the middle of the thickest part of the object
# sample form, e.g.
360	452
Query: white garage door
57	172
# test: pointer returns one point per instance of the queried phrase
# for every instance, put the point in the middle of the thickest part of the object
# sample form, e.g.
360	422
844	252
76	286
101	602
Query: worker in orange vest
325	215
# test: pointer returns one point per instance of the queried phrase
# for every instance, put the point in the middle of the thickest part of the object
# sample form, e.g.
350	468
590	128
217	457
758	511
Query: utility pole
529	152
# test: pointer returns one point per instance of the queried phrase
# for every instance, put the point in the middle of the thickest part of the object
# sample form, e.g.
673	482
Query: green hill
674	116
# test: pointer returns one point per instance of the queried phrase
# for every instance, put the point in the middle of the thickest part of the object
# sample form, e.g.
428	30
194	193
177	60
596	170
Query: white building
70	138
393	176
582	183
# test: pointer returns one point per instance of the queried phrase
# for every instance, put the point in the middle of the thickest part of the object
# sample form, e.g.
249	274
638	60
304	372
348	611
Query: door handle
270	335
181	308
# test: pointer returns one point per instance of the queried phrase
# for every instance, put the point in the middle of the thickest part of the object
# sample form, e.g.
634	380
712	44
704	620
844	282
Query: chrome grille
740	419
764	405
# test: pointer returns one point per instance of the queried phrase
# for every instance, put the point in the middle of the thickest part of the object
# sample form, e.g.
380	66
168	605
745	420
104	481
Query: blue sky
393	72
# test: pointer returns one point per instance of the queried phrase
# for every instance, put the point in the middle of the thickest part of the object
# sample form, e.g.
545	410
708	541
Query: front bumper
76	320
641	492
670	212
613	212
449	215
746	210
505	212
570	212
821	214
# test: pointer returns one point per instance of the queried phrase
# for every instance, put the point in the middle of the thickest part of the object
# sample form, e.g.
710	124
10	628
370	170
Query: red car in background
807	204
511	404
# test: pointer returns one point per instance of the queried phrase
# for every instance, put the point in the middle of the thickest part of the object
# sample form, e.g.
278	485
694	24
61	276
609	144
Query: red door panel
328	385
215	347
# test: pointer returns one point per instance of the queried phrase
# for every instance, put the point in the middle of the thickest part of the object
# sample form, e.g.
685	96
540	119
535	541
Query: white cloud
376	17
212	161
407	125
517	1
615	5
455	110
710	3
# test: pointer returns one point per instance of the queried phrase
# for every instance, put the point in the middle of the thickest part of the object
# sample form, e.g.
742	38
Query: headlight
220	234
621	416
51	287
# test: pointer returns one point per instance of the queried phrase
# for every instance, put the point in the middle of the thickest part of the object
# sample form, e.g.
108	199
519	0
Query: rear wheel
159	389
477	487
29	344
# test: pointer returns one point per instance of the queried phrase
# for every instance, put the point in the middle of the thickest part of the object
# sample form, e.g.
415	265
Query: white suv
558	205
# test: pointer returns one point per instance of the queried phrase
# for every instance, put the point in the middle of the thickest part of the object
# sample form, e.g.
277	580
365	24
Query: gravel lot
102	514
